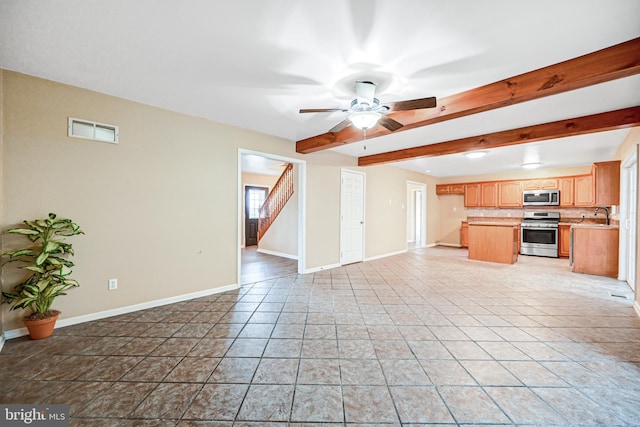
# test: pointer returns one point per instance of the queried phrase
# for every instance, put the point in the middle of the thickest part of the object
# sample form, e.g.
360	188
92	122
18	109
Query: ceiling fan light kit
364	120
365	110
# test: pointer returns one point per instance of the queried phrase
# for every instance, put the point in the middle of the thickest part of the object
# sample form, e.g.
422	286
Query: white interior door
351	217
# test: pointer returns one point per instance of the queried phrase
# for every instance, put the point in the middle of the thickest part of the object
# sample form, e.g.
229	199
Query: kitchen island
595	249
493	241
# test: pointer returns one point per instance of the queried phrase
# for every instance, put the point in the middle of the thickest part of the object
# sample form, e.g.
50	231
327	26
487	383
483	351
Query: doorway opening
280	251
416	215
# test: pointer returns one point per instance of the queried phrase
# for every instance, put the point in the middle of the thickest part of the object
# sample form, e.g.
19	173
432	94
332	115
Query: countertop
598	226
496	223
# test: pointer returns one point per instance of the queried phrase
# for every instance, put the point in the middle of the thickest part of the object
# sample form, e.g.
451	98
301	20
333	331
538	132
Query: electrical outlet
113	284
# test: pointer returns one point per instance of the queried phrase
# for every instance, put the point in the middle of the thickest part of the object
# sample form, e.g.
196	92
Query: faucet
606	210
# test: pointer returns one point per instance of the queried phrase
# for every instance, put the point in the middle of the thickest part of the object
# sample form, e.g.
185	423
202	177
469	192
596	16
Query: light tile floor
423	338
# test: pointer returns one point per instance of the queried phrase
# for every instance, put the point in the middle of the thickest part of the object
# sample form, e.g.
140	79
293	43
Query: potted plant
46	261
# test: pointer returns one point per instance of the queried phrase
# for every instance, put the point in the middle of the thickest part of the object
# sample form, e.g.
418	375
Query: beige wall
160	209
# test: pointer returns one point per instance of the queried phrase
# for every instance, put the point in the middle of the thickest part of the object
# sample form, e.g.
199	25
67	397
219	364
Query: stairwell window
86	129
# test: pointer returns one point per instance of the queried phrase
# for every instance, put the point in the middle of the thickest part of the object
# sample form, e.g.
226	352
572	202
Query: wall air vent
86	129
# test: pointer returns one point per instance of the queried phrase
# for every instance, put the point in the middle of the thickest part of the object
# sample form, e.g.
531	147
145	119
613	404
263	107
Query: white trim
280	254
636	307
321	268
423	210
1	341
302	204
432	245
450	245
15	333
404	251
623	258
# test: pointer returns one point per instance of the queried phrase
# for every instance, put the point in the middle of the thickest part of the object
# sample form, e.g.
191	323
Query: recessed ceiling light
532	165
475	154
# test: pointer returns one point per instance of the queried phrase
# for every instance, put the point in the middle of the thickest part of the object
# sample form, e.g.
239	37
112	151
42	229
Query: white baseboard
636	307
431	245
385	255
451	245
280	254
1	341
321	268
15	333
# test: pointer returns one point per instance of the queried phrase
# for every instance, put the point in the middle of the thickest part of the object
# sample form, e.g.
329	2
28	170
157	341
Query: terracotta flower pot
42	328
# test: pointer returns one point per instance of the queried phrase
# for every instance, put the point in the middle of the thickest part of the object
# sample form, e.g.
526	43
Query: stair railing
276	200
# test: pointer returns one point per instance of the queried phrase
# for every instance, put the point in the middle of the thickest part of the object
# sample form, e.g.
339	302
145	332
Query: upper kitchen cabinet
450	189
606	183
510	194
566	187
583	190
489	194
472	196
540	184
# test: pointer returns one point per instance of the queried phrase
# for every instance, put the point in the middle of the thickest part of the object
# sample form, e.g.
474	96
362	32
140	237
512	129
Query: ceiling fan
366	110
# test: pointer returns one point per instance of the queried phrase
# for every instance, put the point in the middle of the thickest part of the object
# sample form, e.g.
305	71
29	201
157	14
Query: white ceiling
255	63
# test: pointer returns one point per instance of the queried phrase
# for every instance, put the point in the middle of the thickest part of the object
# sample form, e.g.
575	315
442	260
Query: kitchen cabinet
510	194
489	194
472	196
583	190
566	186
450	189
595	250
564	240
540	184
606	185
493	242
464	234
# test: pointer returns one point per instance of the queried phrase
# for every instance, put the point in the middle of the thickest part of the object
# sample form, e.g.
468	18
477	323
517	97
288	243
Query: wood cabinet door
490	194
464	235
566	191
442	189
548	184
472	195
564	240
607	183
583	190
530	184
510	194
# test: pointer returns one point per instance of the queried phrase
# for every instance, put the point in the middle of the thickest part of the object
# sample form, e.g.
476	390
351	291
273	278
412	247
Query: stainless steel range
539	234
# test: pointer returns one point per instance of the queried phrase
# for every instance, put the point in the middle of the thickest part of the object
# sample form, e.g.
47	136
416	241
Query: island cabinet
510	194
564	240
493	242
566	186
595	250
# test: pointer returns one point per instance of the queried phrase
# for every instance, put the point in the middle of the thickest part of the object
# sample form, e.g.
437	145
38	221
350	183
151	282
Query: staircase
275	201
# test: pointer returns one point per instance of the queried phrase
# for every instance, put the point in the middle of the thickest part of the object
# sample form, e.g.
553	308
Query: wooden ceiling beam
619	119
608	64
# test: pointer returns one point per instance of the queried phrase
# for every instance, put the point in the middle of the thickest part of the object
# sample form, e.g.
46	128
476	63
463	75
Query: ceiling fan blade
389	123
321	110
412	104
343	124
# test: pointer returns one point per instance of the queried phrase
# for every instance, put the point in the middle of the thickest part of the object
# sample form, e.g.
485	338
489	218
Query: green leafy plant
46	260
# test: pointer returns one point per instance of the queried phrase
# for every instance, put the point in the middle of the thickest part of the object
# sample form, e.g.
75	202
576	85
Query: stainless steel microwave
541	198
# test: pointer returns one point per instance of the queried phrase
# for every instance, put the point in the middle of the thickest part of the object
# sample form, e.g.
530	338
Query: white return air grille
87	129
